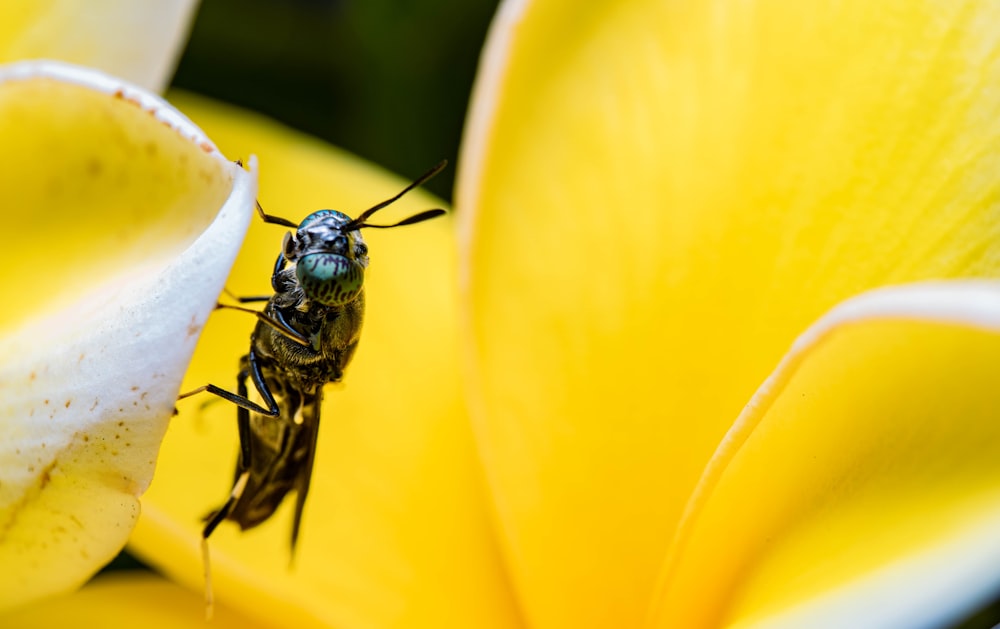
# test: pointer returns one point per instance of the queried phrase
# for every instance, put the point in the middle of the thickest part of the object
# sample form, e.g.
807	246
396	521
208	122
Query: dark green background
388	80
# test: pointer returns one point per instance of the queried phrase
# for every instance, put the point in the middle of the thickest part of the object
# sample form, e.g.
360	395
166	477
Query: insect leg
216	517
214	520
242	300
267	217
242	400
276	220
279	266
238	400
277	322
243	467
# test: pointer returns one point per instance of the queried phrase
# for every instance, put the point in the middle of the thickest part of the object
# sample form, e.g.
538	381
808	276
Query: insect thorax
333	333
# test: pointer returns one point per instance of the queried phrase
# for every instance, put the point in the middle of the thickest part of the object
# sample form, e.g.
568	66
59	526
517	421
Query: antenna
359	222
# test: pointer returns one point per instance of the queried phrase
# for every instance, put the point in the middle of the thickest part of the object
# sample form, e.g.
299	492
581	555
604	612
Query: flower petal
861	487
138	40
396	530
125	600
115	258
656	199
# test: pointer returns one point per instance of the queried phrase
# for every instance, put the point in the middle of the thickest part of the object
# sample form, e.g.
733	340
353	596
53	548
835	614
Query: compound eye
329	279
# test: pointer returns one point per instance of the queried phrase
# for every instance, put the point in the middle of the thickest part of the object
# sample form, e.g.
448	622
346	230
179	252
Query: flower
122	222
725	328
138	41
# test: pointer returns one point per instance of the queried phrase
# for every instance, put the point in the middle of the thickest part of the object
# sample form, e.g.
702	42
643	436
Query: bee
305	337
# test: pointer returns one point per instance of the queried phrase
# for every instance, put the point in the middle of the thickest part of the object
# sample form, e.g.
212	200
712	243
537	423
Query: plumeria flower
121	222
712	342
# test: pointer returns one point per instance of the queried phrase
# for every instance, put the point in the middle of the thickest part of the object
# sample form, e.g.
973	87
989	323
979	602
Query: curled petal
861	485
138	40
122	222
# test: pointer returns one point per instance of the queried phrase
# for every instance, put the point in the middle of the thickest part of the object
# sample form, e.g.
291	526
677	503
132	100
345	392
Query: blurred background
388	80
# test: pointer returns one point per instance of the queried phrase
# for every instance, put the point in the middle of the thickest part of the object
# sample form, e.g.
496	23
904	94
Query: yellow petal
138	40
126	600
861	487
657	197
396	529
114	257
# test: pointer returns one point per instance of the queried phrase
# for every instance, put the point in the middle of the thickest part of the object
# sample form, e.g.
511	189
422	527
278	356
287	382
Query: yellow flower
722	350
138	40
121	222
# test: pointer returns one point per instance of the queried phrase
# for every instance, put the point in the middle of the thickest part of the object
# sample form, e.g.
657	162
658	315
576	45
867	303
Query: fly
304	338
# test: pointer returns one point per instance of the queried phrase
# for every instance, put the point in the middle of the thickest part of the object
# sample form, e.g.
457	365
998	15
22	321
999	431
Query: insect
305	337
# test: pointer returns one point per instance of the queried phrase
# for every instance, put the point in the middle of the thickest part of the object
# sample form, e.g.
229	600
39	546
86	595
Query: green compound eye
329	279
